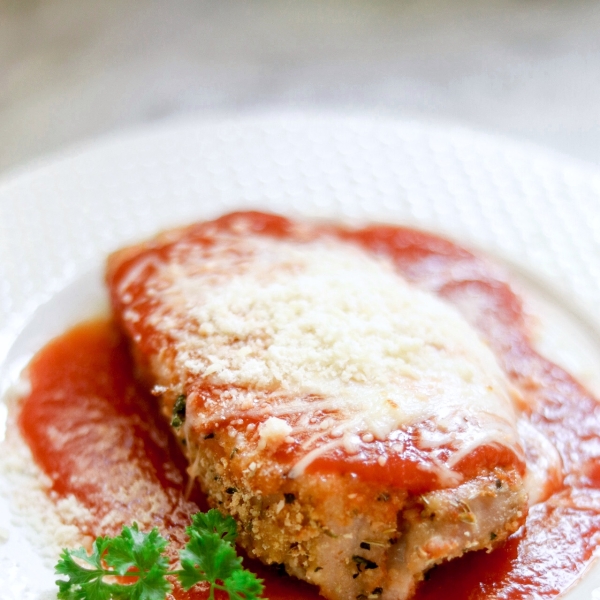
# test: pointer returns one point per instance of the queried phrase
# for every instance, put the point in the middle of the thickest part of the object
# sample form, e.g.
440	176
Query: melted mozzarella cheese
326	321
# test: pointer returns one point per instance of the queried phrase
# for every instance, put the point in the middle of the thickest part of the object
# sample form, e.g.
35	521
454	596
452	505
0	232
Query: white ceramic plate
538	212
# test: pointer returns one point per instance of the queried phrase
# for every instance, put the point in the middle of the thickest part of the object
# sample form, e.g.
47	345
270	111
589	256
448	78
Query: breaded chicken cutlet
356	427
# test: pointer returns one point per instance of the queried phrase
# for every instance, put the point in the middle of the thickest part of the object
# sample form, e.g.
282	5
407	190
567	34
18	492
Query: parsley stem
139	563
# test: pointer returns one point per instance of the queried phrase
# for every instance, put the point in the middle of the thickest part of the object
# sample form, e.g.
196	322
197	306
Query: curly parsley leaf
210	556
139	557
134	549
206	557
215	521
244	585
84	583
132	553
139	554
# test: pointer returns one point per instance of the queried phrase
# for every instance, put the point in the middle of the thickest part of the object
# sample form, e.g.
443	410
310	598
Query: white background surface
71	69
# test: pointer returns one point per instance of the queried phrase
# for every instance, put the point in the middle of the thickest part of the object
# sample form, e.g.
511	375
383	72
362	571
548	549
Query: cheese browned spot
301	353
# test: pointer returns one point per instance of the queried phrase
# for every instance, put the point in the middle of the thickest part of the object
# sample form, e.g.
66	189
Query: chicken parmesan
354	423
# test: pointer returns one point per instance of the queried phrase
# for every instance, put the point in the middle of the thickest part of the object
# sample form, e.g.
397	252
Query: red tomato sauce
93	430
130	281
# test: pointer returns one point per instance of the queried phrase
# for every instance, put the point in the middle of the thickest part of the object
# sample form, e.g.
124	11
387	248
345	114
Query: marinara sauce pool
92	428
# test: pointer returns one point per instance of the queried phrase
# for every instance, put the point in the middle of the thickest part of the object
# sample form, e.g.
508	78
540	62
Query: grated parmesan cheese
272	433
52	523
288	321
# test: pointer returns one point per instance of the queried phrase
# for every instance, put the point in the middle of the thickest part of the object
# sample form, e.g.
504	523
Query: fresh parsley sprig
133	566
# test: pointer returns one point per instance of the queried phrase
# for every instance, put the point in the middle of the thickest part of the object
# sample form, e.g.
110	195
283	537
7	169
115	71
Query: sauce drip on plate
91	428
